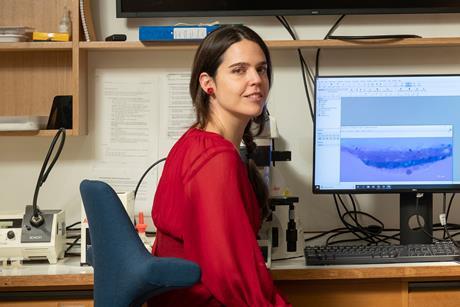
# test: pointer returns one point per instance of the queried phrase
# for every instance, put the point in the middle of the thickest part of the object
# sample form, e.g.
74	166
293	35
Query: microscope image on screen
396	159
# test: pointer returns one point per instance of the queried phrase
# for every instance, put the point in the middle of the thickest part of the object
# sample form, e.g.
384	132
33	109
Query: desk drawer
434	294
346	293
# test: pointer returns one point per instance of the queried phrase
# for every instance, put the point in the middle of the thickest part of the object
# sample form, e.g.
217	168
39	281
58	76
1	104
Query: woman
209	204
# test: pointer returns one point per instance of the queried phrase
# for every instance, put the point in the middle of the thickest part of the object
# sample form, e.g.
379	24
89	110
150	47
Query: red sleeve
220	238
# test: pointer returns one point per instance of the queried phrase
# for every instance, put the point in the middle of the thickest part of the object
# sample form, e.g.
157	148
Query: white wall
21	157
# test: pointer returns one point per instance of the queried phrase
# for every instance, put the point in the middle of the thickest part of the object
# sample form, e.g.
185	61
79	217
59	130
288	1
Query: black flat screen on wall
211	8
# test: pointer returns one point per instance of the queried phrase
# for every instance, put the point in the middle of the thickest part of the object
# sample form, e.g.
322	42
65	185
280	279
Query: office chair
125	273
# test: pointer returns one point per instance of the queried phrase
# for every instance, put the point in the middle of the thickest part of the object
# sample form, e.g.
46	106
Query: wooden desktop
405	285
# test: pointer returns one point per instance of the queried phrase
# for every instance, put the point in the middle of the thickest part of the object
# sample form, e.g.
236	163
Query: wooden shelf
33	73
281	44
137	46
36	46
366	43
47	133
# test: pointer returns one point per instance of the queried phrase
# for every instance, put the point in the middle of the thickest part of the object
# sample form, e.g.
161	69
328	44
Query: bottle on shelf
65	25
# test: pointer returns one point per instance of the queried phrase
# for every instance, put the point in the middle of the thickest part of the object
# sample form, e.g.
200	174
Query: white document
126	132
138	118
177	111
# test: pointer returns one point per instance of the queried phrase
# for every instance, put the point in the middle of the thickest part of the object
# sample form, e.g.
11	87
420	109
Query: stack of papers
11	34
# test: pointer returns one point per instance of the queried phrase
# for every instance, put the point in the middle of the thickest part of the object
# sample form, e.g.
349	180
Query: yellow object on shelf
54	37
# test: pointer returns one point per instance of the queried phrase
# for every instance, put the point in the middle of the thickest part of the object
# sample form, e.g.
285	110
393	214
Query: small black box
116	38
61	113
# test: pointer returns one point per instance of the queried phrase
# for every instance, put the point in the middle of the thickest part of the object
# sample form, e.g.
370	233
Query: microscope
281	235
286	231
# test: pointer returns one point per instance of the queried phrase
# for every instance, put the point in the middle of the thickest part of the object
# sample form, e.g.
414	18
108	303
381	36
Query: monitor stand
411	233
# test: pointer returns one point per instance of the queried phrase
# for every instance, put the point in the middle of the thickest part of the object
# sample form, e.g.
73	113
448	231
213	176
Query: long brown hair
208	59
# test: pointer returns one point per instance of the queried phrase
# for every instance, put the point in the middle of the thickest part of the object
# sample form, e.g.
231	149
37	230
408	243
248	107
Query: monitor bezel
285	12
413	189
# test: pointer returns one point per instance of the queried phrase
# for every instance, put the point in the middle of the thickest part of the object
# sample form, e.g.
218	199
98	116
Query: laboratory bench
422	284
383	285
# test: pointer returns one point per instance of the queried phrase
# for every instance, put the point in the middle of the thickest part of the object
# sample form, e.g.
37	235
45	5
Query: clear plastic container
64	24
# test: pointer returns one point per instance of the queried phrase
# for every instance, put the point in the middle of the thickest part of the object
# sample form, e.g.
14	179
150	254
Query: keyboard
376	254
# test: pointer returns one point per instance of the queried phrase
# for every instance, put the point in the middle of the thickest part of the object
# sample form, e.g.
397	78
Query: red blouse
205	210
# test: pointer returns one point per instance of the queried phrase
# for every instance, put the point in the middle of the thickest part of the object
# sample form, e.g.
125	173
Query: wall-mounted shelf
33	73
36	46
36	133
281	44
137	46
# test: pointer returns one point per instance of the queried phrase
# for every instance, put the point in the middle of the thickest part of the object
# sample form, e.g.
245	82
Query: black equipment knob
10	234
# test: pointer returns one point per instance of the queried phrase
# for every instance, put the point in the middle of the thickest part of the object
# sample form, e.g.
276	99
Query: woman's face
241	83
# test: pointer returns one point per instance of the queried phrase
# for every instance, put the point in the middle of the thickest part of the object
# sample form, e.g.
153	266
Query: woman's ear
206	82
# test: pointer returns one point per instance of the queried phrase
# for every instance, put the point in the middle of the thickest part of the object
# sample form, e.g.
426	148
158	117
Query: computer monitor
389	134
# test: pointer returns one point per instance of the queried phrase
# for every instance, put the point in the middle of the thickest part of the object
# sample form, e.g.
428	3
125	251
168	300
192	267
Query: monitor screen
387	134
201	8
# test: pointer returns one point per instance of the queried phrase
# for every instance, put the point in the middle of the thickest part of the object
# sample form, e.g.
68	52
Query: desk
395	285
65	284
405	285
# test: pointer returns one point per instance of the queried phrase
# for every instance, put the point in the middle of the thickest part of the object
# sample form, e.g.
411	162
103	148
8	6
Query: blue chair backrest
125	273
